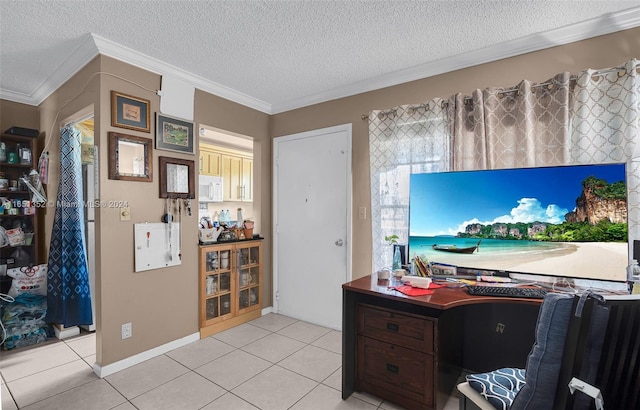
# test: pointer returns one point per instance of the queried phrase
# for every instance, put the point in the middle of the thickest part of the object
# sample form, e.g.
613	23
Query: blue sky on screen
444	203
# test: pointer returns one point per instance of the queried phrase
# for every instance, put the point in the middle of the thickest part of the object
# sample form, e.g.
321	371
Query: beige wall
162	304
599	52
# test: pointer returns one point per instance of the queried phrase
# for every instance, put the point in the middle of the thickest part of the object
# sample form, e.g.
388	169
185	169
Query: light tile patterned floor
274	362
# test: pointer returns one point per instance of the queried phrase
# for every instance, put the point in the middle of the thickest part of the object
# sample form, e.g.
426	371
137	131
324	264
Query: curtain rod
621	71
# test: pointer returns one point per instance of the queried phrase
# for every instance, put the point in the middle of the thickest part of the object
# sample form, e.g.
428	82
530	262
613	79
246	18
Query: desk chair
589	338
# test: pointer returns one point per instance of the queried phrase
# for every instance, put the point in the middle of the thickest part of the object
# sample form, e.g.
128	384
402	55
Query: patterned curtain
525	126
68	294
408	139
557	122
606	126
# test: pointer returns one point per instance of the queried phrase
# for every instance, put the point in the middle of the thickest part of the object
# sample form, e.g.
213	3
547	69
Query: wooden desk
410	350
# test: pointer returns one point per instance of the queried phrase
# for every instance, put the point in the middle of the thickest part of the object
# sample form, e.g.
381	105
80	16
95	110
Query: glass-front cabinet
230	284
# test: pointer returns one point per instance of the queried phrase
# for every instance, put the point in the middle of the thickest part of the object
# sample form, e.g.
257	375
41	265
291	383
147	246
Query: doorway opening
226	157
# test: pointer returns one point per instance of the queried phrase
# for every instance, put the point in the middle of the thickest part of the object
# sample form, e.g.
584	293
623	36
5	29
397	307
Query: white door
312	224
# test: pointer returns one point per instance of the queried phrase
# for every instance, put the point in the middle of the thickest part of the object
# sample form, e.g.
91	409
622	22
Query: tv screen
568	221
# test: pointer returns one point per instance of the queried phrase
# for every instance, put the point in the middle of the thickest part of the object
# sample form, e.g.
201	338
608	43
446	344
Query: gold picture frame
130	112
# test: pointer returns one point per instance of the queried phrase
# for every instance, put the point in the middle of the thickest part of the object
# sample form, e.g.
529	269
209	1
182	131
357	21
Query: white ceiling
279	55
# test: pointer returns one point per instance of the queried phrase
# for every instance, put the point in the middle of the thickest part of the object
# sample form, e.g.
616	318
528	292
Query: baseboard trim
104	371
267	310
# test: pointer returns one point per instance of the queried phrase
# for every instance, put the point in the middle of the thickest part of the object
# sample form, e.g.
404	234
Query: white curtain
606	126
408	139
552	123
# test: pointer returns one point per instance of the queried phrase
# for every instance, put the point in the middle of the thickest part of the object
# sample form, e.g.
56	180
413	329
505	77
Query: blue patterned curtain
68	294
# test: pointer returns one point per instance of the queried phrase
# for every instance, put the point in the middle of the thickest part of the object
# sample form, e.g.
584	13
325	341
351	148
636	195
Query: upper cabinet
209	162
235	167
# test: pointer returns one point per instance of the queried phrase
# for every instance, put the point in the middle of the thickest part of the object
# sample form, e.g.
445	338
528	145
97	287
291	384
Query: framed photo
173	134
130	112
177	178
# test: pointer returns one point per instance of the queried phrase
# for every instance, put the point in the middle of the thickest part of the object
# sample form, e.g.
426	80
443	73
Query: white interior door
312	224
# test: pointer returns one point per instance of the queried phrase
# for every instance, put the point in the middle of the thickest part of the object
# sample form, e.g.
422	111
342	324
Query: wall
600	52
161	304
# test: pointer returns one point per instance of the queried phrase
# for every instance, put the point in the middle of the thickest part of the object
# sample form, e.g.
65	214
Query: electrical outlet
126	330
362	212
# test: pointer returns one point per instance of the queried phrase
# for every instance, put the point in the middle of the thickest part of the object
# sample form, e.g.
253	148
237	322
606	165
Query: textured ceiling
279	55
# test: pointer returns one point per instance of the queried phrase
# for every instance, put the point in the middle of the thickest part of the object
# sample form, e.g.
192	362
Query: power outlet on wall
126	330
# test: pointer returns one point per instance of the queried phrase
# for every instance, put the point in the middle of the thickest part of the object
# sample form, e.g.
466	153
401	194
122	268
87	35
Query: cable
55	119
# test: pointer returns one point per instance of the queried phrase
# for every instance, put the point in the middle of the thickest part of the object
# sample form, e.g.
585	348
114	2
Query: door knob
339	242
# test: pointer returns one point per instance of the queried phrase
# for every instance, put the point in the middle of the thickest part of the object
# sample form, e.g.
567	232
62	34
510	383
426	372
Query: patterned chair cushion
499	387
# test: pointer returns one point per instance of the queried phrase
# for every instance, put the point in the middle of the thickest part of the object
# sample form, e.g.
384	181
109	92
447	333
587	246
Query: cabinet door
247	180
231	174
216	287
248	263
209	163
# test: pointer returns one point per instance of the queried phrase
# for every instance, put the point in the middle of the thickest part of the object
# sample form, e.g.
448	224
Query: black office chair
586	355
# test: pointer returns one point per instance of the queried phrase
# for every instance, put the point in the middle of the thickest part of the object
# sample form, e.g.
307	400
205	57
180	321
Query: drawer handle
393	327
392	368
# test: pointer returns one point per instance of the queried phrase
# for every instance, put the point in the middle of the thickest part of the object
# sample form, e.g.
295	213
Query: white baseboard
104	371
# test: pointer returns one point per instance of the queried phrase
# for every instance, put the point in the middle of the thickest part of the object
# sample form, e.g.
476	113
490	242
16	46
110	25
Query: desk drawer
401	371
396	327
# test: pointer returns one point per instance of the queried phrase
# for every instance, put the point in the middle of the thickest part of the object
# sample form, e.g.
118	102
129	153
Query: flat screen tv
567	221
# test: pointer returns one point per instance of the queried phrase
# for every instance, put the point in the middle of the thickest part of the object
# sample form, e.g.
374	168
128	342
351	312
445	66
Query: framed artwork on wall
130	112
177	178
173	134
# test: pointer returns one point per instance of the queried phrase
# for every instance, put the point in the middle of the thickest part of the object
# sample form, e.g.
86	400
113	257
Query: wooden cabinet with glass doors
230	285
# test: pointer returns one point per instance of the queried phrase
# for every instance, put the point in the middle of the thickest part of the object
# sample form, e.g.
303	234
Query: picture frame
130	112
174	134
130	157
177	178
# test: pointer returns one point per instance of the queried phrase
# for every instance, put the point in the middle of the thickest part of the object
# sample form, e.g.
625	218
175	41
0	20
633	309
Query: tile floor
274	362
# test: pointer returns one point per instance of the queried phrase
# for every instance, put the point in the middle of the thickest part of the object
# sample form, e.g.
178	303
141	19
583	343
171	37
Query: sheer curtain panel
408	139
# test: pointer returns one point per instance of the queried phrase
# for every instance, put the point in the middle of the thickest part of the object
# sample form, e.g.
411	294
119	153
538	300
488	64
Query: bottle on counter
240	217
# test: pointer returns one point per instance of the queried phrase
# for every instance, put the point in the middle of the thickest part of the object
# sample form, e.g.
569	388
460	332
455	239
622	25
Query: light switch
125	214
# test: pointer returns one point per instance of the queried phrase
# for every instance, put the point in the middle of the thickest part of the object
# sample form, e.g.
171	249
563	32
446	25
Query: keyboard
511	292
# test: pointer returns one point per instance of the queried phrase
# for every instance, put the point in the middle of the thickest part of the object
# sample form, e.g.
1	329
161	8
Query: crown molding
607	24
92	45
132	57
80	56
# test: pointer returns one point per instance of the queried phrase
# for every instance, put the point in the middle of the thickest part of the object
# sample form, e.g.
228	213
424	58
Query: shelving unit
22	213
230	285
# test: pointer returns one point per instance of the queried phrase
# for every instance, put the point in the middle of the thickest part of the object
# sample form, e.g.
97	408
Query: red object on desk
411	291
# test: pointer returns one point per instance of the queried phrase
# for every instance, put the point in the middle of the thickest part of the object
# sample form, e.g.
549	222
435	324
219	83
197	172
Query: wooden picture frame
177	178
174	134
130	112
130	157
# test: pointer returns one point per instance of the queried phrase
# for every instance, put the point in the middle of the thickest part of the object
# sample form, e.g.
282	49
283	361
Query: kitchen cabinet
230	285
19	214
235	167
210	162
237	173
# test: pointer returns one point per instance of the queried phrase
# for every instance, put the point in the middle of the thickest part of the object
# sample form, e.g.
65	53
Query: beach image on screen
568	221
